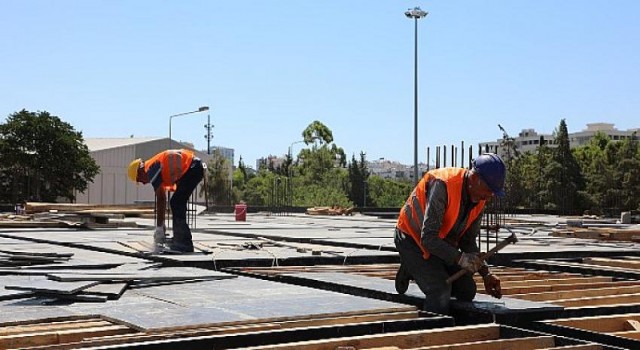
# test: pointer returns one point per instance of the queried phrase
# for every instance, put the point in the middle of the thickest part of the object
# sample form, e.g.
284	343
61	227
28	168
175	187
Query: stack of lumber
622	325
134	210
334	210
600	233
570	290
486	337
65	215
52	334
75	333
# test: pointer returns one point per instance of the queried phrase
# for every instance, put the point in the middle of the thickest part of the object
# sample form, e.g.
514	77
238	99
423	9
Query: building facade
113	155
528	140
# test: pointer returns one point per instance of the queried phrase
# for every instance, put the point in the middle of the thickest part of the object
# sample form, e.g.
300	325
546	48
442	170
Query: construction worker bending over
172	169
437	229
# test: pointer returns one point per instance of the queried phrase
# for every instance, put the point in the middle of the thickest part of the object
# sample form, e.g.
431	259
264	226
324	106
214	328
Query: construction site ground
308	282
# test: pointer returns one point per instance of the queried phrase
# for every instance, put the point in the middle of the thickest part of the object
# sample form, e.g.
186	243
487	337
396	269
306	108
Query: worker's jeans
431	276
182	240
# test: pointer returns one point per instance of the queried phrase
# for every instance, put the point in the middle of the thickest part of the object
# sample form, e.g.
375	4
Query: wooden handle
485	256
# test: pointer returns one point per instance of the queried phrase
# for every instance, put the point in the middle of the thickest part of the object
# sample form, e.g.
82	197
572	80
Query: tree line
600	177
43	158
319	175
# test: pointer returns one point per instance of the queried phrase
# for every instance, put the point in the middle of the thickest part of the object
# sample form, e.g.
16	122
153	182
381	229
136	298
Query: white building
113	155
227	153
393	170
529	140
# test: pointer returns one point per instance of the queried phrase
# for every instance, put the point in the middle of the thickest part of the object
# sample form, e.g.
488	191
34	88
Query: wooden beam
569	294
600	300
604	324
506	290
577	347
403	340
627	264
528	343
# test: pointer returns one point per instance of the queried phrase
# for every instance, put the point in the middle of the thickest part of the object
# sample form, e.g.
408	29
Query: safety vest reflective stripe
416	223
174	160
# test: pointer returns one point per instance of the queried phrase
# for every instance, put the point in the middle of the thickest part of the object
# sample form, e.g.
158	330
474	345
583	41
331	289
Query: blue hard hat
491	169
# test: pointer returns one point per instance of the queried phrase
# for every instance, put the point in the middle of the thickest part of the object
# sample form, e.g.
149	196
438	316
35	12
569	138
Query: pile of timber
127	210
486	337
600	233
92	331
570	290
621	330
71	215
333	210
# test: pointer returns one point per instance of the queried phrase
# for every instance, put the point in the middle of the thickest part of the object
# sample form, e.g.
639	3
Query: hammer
487	255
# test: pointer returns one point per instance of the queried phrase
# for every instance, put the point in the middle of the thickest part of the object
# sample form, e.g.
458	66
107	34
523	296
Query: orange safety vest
175	163
412	213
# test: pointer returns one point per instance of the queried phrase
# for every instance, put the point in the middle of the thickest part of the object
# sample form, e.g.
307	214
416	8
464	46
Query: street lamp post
416	13
201	109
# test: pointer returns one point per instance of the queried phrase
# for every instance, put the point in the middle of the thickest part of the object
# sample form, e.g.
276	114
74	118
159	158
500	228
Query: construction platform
304	282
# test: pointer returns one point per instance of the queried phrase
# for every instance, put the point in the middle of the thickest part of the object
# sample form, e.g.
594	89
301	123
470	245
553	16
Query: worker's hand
470	262
492	285
159	235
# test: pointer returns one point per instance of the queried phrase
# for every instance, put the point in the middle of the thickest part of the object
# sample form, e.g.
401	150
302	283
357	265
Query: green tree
565	182
43	158
218	186
387	193
258	188
358	176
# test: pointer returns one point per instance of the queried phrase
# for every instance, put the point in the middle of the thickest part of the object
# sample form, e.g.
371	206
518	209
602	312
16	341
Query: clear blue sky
269	68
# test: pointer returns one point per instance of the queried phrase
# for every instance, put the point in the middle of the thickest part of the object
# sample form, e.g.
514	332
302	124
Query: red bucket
241	212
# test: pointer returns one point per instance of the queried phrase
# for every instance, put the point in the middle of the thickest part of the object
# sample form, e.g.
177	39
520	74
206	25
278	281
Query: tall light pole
416	13
201	109
208	135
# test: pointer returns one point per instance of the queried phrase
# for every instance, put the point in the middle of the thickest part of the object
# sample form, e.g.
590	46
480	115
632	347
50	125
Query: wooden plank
527	343
560	281
569	294
628	264
605	324
324	321
600	300
40	327
403	340
71	335
506	290
48	337
627	334
576	347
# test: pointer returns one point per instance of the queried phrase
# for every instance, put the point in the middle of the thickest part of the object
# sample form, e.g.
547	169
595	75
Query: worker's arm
436	205
161	205
468	243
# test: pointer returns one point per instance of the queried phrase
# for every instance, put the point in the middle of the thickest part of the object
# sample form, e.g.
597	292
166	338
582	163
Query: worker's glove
492	285
159	235
470	262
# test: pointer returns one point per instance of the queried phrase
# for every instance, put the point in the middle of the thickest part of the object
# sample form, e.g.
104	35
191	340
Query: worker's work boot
159	238
402	279
182	241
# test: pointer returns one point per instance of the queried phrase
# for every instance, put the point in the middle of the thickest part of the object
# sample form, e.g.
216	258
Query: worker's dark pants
182	240
431	276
